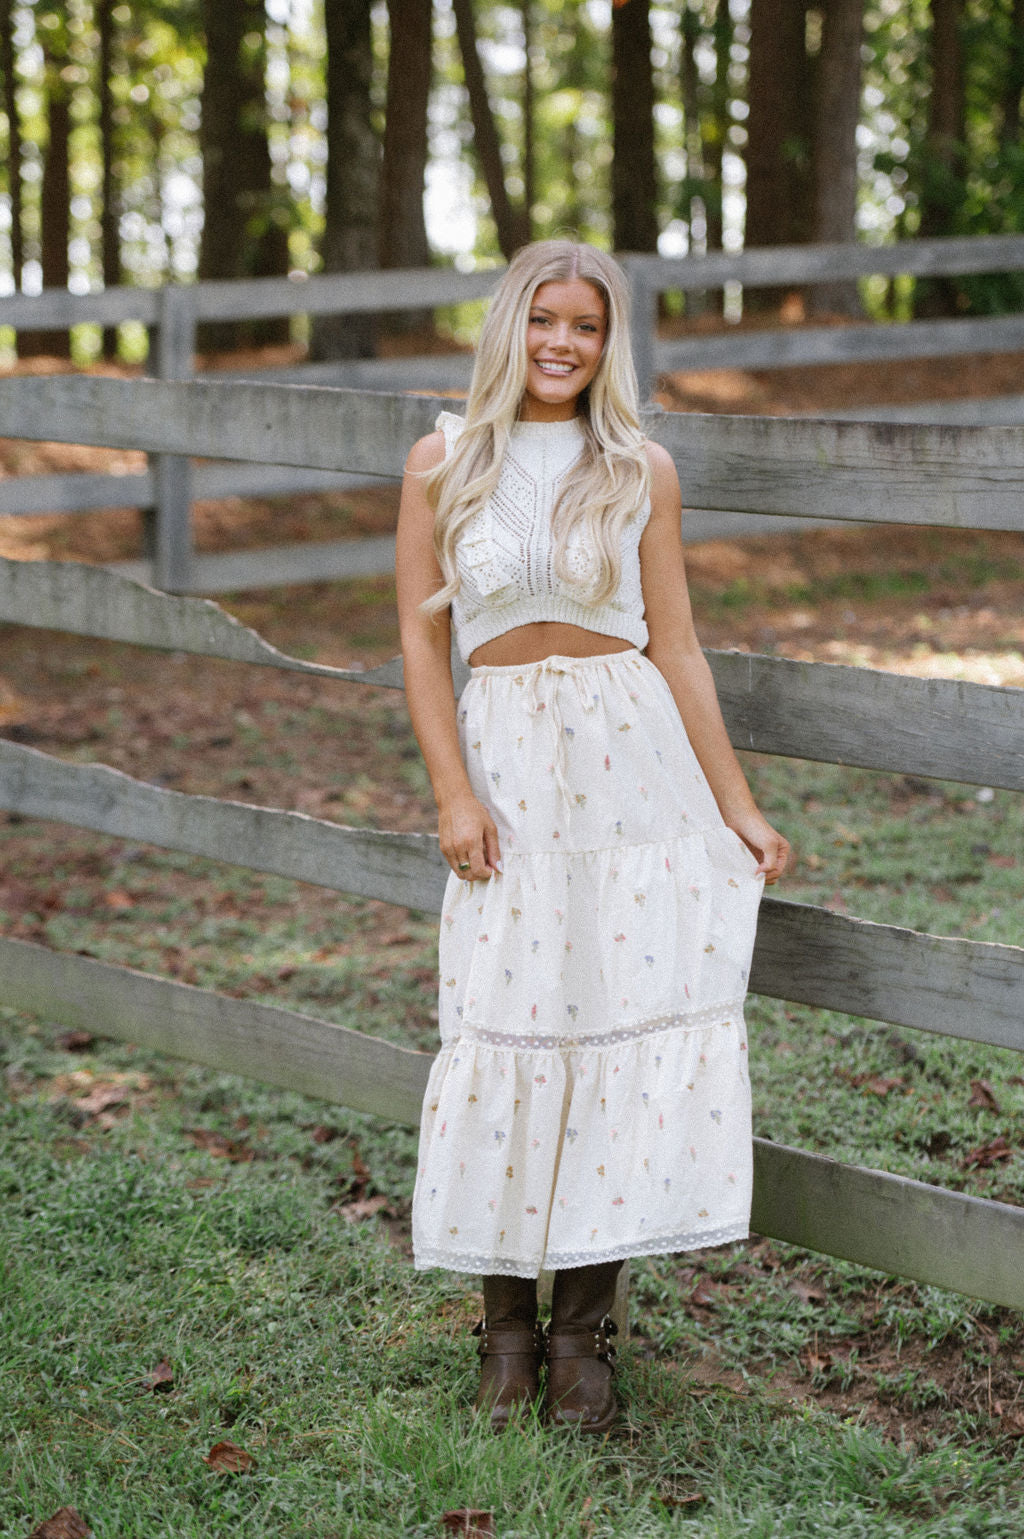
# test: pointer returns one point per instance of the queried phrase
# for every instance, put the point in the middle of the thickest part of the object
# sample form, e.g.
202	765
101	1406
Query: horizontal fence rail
936	1236
952	987
174	312
940	728
862	472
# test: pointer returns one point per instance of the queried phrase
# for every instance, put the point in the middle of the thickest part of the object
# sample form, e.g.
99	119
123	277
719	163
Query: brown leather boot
579	1351
511	1347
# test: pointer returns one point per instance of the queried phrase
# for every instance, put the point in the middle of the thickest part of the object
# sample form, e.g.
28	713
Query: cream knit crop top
505	554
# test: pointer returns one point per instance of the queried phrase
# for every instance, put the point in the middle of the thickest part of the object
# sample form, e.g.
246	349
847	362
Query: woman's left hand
767	845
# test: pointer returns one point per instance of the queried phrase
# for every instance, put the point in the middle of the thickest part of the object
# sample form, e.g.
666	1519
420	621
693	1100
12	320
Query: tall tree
241	236
14	144
836	115
403	229
634	170
944	160
511	220
778	152
1013	84
110	213
352	212
55	188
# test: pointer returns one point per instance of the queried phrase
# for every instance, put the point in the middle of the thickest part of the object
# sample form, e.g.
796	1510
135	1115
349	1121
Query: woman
590	1101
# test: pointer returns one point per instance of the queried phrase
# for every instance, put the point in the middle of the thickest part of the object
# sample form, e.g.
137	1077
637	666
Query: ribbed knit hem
600	618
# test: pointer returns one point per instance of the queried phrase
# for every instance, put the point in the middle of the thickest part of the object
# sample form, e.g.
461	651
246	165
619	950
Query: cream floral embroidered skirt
590	1100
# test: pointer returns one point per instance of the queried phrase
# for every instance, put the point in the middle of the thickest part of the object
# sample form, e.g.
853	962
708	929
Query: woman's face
565	336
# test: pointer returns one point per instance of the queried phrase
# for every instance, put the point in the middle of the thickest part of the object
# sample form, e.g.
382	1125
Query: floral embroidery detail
509	1173
522	804
607	761
572	1134
600	1170
716	1116
508	975
532	1211
573	1011
649	961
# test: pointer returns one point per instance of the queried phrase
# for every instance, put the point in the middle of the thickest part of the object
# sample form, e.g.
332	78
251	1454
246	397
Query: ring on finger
463	865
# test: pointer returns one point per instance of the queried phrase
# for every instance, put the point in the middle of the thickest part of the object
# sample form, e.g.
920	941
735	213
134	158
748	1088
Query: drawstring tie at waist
543	698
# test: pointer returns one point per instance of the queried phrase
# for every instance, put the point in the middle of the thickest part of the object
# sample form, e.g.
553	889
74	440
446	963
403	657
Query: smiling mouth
559	370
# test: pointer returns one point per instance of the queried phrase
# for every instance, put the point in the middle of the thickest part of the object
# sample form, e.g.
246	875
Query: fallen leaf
117	899
815	1361
937	1142
810	1293
472	1522
160	1378
65	1524
983	1096
75	1041
1006	862
101	1098
705	1296
220	1147
323	1135
228	1459
680	1498
1011	1423
363	1207
987	1155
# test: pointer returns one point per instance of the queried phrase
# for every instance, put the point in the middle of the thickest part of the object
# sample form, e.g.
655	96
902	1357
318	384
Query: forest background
171	139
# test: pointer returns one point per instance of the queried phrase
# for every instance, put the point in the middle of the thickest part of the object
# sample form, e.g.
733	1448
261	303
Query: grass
257	1242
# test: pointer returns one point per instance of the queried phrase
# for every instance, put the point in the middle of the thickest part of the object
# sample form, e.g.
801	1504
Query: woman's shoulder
659	459
427	452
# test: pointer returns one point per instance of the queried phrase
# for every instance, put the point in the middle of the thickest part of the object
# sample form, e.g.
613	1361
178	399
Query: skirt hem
507	1266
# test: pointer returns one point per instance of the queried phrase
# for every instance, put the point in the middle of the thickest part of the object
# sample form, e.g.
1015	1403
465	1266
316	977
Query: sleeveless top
505	553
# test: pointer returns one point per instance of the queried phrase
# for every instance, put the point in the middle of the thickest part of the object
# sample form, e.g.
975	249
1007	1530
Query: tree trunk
110	213
241	236
778	134
10	100
511	222
54	202
634	174
837	113
942	182
351	240
1013	87
529	116
403	229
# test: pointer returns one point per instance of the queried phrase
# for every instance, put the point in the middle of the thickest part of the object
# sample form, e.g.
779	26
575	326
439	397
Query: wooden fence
957	478
166	490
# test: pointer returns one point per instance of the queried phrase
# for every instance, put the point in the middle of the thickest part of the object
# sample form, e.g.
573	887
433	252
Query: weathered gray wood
274	565
247	298
859	471
358	431
868	472
970	1245
55	308
171	536
238	299
943	728
282	1047
878	1220
955	988
952	987
983	411
83	491
90	601
782	348
399	868
761	266
438	371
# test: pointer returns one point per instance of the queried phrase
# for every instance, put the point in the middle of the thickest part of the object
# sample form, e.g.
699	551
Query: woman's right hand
469	838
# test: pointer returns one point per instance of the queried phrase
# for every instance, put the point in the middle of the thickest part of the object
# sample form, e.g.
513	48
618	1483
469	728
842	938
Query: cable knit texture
505	554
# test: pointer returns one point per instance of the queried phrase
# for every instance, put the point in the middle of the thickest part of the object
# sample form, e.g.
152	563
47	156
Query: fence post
643	303
169	532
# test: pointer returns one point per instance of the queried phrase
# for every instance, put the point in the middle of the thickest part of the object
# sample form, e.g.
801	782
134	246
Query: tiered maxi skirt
590	1100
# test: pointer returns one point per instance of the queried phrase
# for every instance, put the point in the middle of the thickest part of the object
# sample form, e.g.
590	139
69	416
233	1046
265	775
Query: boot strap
509	1340
579	1341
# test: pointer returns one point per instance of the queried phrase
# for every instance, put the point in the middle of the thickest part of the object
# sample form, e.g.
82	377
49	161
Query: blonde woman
590	1101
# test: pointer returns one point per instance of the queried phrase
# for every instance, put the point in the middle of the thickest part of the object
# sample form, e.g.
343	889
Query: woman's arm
465	828
675	651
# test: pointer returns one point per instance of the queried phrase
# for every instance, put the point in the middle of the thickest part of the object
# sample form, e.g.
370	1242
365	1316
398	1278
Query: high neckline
570	428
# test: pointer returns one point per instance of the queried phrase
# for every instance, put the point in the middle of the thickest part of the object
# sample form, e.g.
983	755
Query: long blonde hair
608	486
